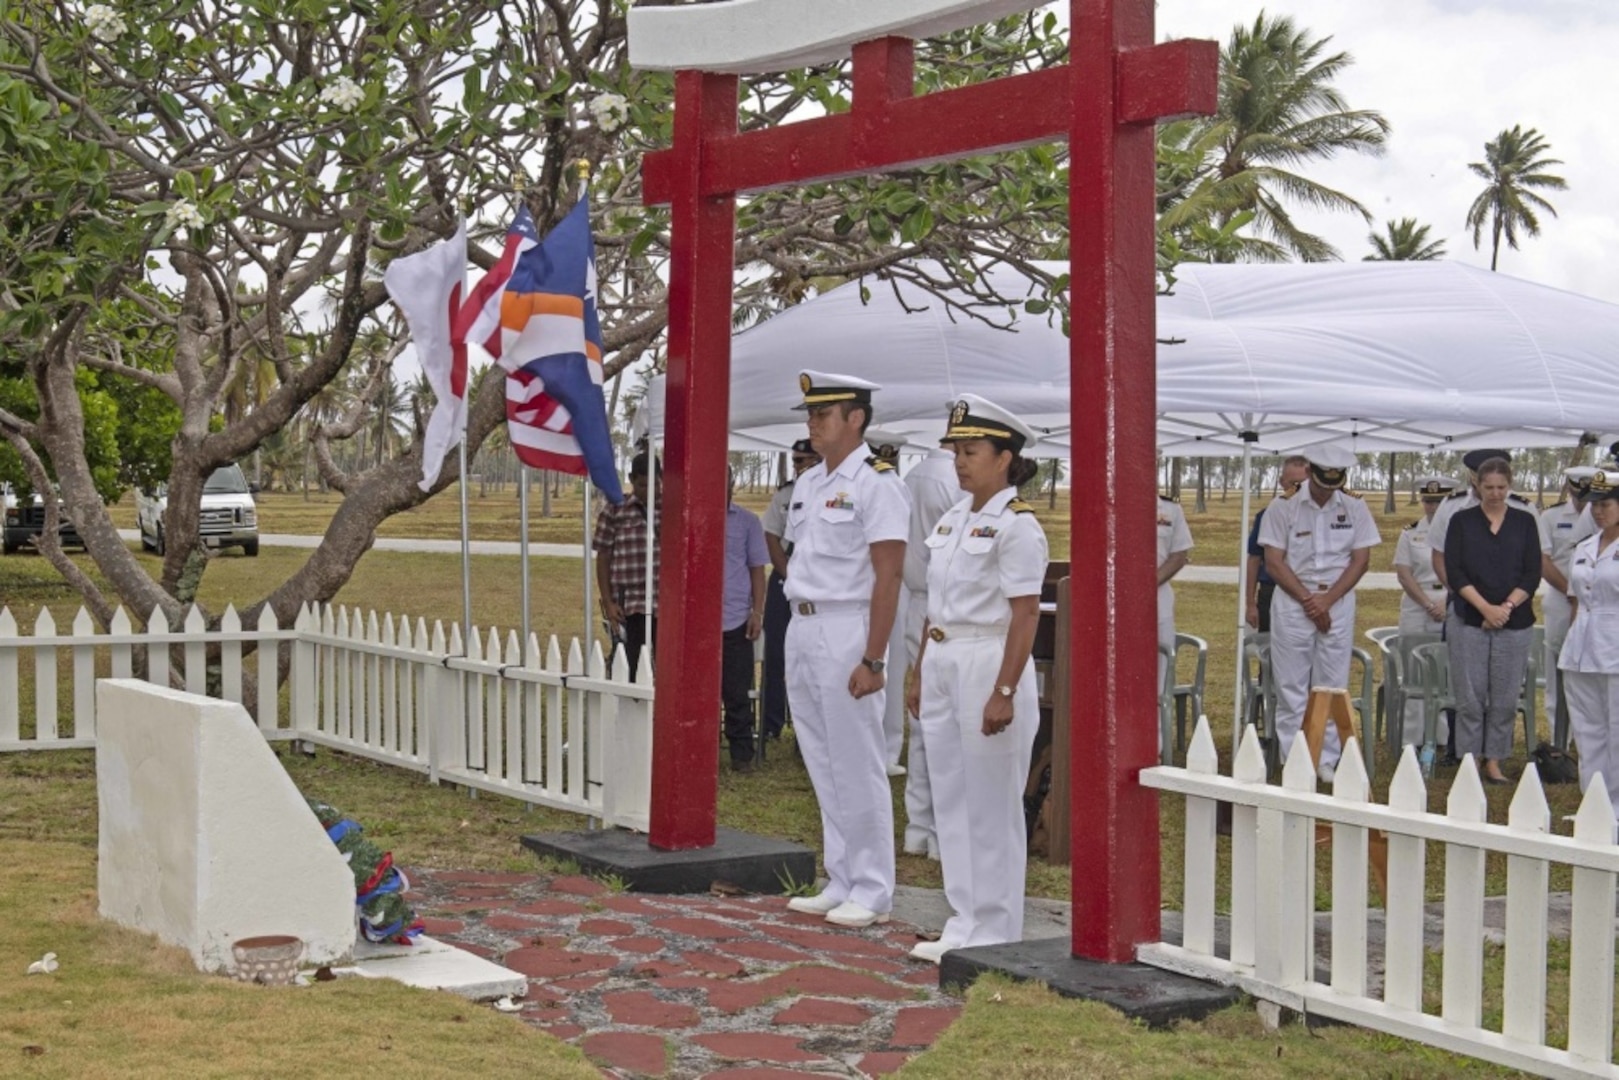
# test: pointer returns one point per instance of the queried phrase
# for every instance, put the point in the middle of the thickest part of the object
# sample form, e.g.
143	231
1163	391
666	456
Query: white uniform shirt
1561	528
934	489
1455	504
832	521
775	515
1173	535
1592	645
977	562
1412	552
1318	540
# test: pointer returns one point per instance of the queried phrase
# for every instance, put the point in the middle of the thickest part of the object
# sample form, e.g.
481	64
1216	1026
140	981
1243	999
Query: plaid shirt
620	538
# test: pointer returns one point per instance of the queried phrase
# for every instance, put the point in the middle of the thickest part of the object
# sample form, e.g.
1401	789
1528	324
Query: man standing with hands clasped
847	522
1317	544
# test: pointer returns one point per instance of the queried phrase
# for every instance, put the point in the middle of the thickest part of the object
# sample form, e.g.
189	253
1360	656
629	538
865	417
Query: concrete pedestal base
1157	997
754	864
435	965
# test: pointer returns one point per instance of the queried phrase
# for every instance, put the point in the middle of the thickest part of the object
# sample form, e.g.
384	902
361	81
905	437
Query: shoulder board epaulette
1167	499
879	464
1459	493
1515	497
1560	502
1413	525
1018	506
1351	493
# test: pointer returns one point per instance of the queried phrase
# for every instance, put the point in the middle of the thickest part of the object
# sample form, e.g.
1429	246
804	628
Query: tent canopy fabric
1387	356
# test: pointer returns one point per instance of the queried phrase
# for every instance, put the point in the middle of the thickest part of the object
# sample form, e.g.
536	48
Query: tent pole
1242	591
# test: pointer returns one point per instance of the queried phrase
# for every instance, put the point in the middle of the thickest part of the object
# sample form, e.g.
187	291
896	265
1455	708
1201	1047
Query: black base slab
1141	992
756	864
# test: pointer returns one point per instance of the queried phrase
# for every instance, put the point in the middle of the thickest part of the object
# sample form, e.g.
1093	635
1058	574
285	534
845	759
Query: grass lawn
153	1015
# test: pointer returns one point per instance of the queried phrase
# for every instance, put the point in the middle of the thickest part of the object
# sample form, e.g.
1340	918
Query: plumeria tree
199	196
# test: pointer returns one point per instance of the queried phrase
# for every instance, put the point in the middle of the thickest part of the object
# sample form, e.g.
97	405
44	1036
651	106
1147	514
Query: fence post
1463	961
1524	978
305	701
1590	941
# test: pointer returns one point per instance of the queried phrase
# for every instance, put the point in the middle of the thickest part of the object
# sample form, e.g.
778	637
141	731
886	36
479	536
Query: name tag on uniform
1306	532
798	506
1564	525
1341	525
1164	522
1582	561
983	530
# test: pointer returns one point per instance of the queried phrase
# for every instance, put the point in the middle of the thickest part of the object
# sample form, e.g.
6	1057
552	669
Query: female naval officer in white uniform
973	684
1590	657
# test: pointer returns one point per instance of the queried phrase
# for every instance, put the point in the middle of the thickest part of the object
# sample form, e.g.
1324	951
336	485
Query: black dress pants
778	613
736	682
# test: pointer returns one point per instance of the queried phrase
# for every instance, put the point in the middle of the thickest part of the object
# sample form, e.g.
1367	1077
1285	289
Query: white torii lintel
750	37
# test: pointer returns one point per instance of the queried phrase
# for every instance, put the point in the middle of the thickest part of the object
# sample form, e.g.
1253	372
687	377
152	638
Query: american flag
535	313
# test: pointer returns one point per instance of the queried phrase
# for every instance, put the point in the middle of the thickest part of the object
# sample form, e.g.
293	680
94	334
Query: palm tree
1278	111
1404	241
1514	164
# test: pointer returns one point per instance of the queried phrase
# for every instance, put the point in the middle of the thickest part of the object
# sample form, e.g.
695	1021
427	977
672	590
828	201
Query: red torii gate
1104	102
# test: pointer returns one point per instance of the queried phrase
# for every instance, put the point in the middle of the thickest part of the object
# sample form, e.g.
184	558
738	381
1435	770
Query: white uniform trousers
1593	709
919	827
894	706
1301	657
1556	615
1412	730
978	783
842	742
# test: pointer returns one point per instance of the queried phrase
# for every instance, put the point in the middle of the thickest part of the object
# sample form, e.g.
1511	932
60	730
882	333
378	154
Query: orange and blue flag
535	313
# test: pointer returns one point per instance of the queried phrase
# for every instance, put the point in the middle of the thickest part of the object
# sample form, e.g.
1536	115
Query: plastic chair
1259	694
1379	637
1364	704
1533	676
1188	696
1428	672
1397	676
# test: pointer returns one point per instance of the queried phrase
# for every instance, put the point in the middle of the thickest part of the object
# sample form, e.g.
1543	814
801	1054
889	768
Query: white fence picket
157	649
84	676
578	737
554	737
1463	961
196	652
513	770
1249	768
1350	848
1403	950
230	656
1524	979
10	685
1296	881
122	653
269	670
45	728
372	664
1591	953
1201	847
389	668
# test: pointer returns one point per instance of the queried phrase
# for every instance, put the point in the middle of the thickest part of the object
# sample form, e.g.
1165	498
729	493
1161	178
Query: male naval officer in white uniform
1422	597
848	524
1317	545
886	445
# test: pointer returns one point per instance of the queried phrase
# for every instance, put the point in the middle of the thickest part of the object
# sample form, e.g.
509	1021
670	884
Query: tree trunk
1202	506
1388	500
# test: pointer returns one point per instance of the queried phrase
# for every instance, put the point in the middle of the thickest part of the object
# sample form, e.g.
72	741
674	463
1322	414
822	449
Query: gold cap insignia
959	413
804	384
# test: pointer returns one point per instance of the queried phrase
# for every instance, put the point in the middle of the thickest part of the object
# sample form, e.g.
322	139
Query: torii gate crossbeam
1103	103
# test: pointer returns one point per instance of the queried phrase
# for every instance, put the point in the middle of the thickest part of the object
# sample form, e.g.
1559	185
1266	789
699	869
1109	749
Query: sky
1450	75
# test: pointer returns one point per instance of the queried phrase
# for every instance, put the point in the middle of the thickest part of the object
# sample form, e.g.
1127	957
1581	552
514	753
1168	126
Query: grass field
48	827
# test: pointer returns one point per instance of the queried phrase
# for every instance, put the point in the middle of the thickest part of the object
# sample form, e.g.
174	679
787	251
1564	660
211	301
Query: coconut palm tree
1514	164
1279	112
1404	241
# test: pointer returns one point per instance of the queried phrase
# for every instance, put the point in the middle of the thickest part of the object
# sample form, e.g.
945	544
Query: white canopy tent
1417	356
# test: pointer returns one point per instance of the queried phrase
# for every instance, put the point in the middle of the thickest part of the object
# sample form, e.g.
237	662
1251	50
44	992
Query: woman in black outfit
1492	562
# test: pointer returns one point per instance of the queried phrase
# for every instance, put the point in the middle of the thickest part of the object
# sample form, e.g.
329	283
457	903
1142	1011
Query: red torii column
1104	103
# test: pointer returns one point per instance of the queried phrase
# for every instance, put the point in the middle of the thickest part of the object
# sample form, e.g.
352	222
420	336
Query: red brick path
695	986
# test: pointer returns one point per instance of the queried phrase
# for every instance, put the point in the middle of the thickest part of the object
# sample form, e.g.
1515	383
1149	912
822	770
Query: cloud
1449	75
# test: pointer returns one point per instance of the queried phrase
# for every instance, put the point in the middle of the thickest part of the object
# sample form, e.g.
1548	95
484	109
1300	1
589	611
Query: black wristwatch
875	665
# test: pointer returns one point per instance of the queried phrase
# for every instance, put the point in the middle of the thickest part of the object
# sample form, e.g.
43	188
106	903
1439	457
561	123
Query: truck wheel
8	547
160	547
250	548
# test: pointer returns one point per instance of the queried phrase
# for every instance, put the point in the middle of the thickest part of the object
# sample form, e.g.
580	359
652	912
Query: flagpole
466	554
582	167
522	550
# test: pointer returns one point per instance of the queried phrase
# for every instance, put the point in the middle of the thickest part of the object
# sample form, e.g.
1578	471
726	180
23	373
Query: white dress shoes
854	915
819	904
930	951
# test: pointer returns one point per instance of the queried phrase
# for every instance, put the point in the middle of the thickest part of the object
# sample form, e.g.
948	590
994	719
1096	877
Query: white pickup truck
227	517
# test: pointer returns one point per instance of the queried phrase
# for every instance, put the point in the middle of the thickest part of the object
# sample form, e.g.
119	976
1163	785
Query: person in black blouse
1492	563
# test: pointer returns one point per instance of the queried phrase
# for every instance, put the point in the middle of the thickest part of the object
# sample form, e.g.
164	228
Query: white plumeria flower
610	111
344	94
506	1004
44	966
104	23
183	212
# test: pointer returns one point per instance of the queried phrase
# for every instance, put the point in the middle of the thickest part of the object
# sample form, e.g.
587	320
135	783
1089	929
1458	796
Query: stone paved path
695	986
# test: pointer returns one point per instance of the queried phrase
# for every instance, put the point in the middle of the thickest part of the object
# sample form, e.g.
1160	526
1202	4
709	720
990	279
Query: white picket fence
1272	903
547	730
